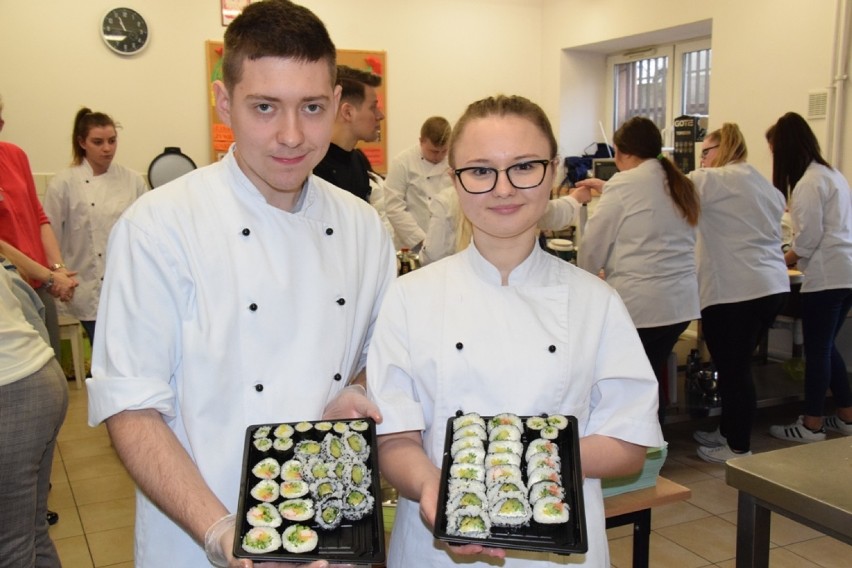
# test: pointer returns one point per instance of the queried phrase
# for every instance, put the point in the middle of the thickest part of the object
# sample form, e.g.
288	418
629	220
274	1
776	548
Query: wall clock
124	31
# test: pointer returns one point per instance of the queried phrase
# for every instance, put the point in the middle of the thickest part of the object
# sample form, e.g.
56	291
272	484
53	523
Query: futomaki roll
299	538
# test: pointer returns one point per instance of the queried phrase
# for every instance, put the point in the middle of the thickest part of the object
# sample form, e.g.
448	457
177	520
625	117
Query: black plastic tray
353	542
566	538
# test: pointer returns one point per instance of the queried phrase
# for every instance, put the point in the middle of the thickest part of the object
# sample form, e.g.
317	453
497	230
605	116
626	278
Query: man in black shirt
358	118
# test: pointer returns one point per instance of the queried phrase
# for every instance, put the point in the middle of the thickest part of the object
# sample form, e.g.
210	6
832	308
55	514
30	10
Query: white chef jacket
82	209
821	211
556	340
221	311
738	248
440	240
645	246
411	184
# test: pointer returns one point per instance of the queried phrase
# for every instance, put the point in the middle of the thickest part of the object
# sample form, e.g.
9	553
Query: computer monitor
603	168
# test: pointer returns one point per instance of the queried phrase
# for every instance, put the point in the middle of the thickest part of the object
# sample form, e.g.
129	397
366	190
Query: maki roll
462	485
506	447
467	471
323	426
261	432
260	540
492	460
263	515
510	512
467	498
326	488
468	419
266	490
558	421
355	445
503	474
262	444
299	538
357	504
267	468
469	522
506	418
357	474
291	470
549	432
332	447
294	489
509	489
540	445
329	513
307	449
340	427
504	433
283	431
470	431
543	460
316	468
550	510
359	425
544	489
282	444
466	443
544	474
536	422
470	455
297	509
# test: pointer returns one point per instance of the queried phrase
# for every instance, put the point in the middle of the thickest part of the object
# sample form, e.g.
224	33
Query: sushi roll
317	468
536	422
544	474
355	445
303	427
264	515
455	486
543	460
506	447
262	444
260	540
469	498
291	470
261	432
470	455
557	420
340	468
468	419
323	426
307	449
510	512
503	474
492	460
297	509
469	522
332	447
266	490
467	471
329	513
544	489
508	489
357	503
326	488
540	445
357	474
466	443
340	427
267	468
550	510
282	444
299	538
283	431
549	432
294	489
471	431
504	433
359	425
505	419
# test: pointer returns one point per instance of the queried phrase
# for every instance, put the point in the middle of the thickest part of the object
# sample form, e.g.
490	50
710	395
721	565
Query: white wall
441	55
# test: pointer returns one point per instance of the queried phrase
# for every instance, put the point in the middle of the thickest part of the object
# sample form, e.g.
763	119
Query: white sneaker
719	454
836	424
712	439
797	432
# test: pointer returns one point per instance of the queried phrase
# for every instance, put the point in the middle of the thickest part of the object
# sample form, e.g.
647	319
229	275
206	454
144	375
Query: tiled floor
95	500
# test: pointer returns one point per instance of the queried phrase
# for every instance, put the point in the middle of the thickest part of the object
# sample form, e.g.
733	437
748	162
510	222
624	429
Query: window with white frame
660	83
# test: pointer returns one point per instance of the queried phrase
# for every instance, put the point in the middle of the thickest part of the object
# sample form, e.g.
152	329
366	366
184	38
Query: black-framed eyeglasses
482	179
706	151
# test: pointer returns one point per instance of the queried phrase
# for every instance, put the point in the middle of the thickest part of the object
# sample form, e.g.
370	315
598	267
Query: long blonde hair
732	145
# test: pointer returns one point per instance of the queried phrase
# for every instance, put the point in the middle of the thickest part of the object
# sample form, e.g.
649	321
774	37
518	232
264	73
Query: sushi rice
299	539
261	540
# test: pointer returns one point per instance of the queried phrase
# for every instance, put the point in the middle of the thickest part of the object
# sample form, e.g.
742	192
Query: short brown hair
352	82
436	129
275	28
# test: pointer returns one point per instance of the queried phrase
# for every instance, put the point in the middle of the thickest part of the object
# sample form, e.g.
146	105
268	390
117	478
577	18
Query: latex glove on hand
351	402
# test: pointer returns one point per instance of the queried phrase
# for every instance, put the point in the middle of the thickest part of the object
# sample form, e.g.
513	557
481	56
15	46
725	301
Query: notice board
221	136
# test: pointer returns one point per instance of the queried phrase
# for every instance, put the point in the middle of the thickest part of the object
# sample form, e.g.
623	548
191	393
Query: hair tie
660	156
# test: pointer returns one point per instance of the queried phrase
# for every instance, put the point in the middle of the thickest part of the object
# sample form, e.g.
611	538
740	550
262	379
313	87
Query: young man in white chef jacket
242	293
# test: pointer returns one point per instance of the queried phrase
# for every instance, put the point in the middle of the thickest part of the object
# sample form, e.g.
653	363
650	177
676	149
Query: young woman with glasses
742	279
503	326
821	211
641	235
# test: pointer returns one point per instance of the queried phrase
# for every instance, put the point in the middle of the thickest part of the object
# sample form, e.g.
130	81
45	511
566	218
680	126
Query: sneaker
797	432
835	424
719	454
712	439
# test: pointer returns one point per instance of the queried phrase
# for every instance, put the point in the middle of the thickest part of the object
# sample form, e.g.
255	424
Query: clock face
125	31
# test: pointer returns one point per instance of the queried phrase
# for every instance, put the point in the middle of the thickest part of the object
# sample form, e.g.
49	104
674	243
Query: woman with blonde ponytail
742	279
642	236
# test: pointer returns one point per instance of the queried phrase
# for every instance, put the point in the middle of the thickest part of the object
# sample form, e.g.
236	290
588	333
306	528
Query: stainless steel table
809	484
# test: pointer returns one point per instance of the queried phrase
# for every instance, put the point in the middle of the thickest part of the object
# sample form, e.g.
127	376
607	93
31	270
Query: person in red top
26	237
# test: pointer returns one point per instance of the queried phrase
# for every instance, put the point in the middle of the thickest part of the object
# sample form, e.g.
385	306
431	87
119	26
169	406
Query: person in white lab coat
241	293
821	212
84	201
503	326
414	178
742	279
642	235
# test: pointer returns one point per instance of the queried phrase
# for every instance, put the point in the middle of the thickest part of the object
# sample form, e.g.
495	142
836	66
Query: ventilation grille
817	104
